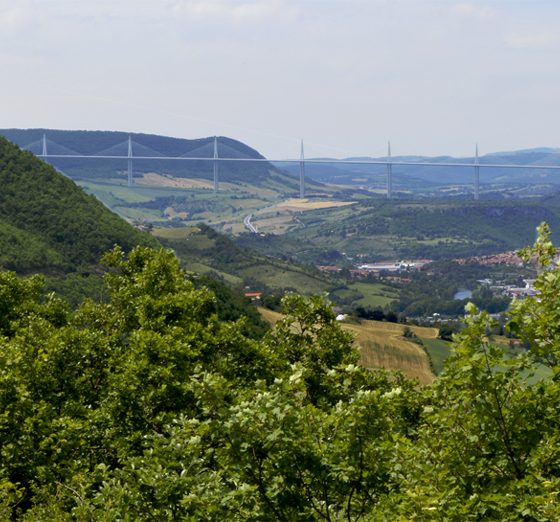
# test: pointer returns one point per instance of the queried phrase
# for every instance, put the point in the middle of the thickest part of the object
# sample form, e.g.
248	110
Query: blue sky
432	76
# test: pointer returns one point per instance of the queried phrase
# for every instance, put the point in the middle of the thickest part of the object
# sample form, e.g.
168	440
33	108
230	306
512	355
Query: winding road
248	225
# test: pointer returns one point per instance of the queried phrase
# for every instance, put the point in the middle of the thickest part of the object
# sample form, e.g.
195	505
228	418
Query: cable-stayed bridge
47	149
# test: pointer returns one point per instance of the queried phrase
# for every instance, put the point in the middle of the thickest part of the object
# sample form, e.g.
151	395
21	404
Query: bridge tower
44	152
215	164
389	172
129	179
301	173
476	174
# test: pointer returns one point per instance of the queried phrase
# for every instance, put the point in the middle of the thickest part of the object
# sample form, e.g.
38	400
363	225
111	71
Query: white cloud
473	9
13	14
532	40
238	11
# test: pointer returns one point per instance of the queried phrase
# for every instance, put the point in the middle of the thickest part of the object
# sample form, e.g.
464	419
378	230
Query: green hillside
203	250
374	230
47	223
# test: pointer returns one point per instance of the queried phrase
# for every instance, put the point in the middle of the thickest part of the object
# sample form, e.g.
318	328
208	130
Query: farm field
382	345
439	351
301	205
374	294
281	217
160	199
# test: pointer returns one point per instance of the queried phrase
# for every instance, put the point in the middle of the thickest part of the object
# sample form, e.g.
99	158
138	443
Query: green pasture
175	232
438	351
374	294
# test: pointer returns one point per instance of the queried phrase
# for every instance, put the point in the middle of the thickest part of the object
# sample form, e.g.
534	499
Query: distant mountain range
413	175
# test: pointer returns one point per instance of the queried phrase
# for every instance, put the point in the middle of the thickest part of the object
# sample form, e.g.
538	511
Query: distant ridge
411	176
116	143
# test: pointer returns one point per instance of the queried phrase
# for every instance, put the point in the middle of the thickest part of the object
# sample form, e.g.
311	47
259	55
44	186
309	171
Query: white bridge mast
129	161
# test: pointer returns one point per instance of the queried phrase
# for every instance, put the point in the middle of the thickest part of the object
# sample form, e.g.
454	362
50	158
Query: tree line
149	407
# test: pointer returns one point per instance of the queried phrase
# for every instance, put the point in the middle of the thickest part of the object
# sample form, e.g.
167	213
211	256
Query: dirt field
296	205
382	346
157	180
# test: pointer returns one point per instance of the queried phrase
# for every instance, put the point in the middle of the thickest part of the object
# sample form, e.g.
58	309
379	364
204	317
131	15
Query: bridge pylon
476	174
302	173
44	151
215	165
389	172
129	177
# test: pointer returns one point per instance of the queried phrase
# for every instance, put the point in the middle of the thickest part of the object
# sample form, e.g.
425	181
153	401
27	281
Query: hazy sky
433	76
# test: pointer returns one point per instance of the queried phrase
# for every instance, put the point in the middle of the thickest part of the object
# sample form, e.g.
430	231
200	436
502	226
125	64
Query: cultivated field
300	205
154	179
175	233
281	217
382	345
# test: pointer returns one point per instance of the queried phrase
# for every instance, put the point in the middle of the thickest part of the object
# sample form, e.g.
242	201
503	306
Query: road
249	225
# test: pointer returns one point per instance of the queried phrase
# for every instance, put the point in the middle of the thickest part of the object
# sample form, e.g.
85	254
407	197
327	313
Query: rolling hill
47	223
112	143
167	191
377	230
422	178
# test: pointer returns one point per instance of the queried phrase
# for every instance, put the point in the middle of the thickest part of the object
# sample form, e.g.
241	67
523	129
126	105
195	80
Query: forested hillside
373	229
48	224
148	407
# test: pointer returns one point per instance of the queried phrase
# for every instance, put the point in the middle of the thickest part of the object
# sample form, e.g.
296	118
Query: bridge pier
476	175
302	173
44	151
129	177
215	165
389	172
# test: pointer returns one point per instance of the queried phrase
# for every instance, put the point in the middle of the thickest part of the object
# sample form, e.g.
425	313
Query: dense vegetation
377	230
148	407
47	223
219	256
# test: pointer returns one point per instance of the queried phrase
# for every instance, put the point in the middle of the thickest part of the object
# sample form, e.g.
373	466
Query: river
462	293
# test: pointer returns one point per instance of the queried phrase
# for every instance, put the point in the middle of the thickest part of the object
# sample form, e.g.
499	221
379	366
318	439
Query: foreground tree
487	444
148	407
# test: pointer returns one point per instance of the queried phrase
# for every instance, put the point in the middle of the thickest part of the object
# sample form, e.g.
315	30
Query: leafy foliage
148	407
73	228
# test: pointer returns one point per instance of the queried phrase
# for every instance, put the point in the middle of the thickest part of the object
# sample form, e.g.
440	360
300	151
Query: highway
249	225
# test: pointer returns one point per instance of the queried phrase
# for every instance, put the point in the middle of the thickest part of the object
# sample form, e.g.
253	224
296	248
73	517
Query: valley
263	315
398	260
